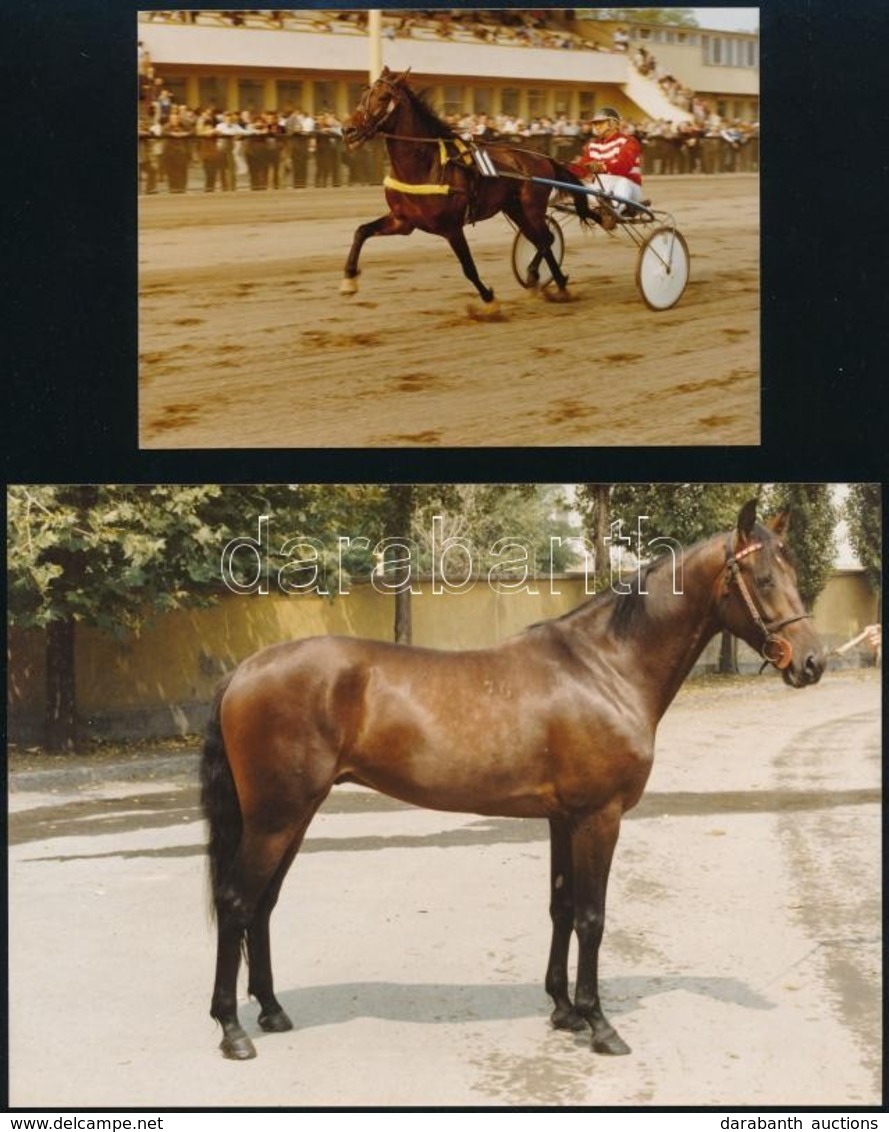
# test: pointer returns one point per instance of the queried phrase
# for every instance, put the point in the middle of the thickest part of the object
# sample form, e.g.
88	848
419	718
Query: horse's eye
765	583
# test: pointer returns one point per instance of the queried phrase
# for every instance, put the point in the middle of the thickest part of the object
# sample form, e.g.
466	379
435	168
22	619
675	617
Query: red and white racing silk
621	154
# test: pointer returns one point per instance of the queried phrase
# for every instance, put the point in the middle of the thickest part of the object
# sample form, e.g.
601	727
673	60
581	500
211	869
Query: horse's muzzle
808	671
352	137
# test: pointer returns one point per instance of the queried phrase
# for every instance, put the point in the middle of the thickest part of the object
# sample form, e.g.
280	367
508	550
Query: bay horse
436	186
558	722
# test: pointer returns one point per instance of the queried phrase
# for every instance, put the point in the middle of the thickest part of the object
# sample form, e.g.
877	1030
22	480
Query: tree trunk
399	518
602	510
60	721
728	654
403	624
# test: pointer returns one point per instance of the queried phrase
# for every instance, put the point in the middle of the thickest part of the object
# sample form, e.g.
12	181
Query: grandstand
522	63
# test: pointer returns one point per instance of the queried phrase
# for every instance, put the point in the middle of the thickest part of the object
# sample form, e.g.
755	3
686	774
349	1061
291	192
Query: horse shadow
449	1004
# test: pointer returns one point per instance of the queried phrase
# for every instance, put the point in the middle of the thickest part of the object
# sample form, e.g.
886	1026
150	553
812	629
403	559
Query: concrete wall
160	682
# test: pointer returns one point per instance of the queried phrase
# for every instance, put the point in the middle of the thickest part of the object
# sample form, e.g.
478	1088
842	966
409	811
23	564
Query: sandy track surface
245	340
741	958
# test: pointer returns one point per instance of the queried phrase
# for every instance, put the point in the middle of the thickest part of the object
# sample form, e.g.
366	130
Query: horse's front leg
388	225
561	910
593	839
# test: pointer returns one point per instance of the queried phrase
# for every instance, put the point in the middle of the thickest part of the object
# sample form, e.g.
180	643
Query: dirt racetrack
245	341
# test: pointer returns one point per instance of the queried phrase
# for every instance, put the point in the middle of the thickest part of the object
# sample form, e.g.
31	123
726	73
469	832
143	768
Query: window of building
213	92
481	100
325	97
509	101
536	103
251	95
726	51
453	100
290	96
176	87
586	104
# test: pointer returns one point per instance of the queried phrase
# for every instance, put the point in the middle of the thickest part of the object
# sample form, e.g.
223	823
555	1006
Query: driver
611	160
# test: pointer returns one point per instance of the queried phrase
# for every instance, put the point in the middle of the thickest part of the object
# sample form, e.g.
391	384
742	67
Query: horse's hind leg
272	1017
388	225
251	890
460	247
561	910
540	236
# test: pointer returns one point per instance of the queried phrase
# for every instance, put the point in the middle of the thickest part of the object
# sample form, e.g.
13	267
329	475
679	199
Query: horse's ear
780	523
746	520
402	78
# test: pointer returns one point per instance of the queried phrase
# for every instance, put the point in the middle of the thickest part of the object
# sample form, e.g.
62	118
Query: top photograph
582	195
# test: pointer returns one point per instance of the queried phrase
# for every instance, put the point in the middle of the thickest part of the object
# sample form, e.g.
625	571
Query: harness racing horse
437	187
557	722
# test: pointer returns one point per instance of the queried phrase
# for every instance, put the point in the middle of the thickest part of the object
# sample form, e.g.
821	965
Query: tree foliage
686	512
863	512
112	555
811	534
490	516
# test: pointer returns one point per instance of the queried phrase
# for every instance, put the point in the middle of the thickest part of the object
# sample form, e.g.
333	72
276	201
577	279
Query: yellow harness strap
404	187
464	152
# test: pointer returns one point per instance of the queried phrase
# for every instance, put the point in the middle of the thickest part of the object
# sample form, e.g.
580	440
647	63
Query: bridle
775	649
370	127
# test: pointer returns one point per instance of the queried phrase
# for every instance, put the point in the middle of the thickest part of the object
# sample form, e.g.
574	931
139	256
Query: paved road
741	958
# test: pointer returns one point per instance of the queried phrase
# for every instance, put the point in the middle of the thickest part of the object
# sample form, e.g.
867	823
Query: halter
775	650
395	94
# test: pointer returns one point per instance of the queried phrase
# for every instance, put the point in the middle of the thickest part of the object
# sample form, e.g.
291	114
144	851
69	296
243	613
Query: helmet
605	113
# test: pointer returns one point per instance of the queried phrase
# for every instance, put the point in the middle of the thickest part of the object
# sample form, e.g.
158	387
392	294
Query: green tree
687	513
863	512
593	501
113	556
532	517
811	534
479	517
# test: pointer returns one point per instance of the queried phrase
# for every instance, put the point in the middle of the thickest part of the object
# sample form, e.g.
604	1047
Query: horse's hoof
275	1023
567	1018
610	1042
559	295
488	312
237	1047
349	287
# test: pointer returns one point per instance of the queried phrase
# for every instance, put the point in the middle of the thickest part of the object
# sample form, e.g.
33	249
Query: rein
775	649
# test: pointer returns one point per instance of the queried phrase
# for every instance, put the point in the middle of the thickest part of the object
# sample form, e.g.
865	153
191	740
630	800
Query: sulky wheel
662	268
526	259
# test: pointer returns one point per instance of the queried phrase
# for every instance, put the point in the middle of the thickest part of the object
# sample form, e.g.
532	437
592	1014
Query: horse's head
760	601
376	108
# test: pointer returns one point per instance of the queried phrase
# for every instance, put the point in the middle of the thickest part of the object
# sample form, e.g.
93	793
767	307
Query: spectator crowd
274	149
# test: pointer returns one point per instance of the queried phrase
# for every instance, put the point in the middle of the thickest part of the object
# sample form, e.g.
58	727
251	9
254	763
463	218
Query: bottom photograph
448	795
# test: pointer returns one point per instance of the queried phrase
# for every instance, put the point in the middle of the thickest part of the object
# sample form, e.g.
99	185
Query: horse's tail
219	800
581	198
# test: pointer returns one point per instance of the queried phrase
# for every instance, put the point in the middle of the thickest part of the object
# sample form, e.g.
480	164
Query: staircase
651	100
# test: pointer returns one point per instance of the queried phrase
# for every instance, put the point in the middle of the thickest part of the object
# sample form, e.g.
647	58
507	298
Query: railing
192	163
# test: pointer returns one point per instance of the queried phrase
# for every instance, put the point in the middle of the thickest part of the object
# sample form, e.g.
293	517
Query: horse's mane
628	608
431	122
625	608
